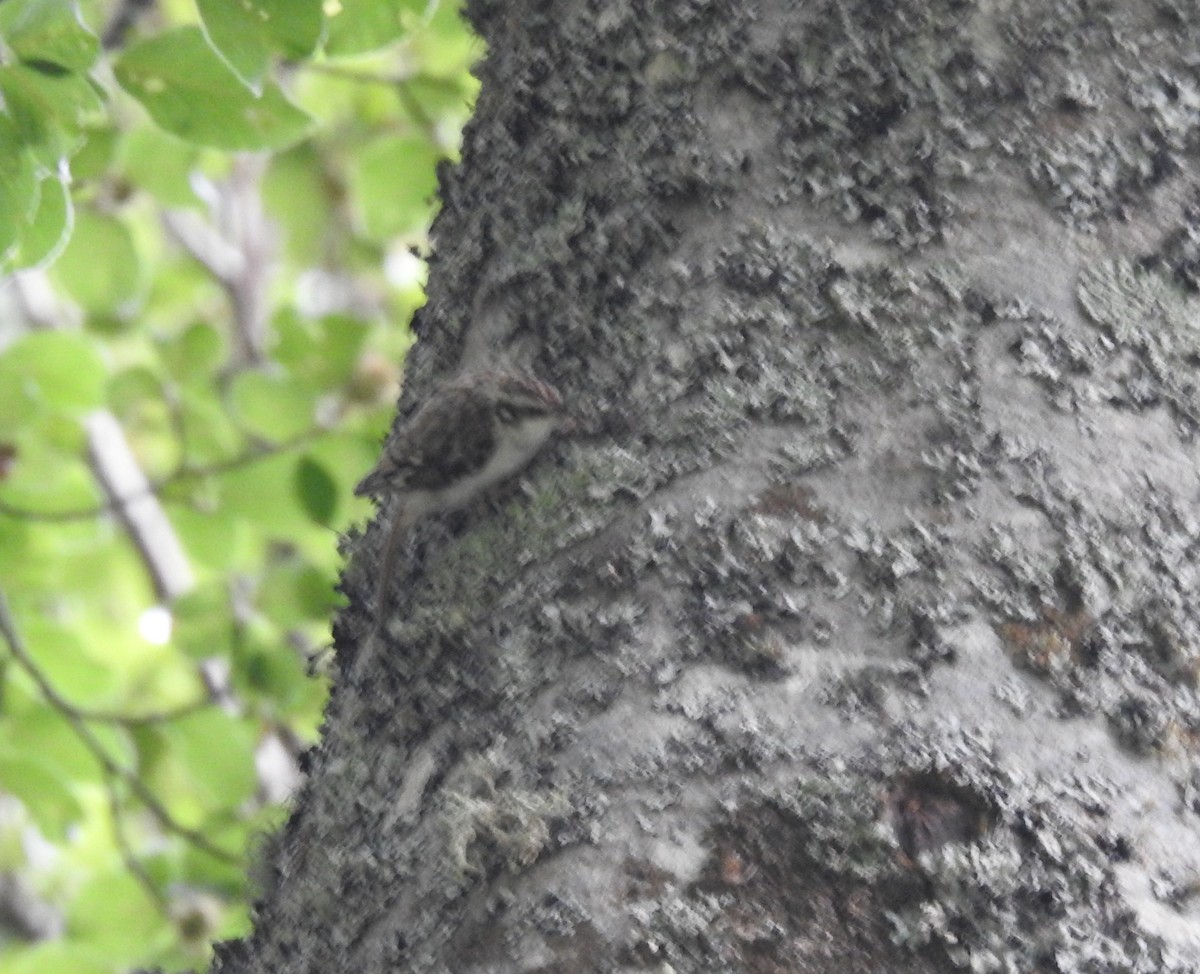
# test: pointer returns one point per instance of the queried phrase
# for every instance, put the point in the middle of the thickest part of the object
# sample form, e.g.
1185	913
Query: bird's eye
506	413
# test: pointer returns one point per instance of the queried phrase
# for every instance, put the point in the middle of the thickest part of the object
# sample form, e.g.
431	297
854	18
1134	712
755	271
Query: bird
471	434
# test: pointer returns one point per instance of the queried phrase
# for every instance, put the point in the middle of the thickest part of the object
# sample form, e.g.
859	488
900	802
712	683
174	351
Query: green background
130	797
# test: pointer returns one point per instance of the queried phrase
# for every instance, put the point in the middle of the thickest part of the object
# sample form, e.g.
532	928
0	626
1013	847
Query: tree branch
122	21
128	490
237	247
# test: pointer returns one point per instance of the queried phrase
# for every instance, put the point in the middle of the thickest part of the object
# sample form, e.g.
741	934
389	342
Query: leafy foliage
208	221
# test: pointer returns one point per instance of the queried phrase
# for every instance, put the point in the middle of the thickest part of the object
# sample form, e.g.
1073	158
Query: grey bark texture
855	627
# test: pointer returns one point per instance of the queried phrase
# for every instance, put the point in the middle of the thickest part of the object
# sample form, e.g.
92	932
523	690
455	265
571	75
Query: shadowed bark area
854	627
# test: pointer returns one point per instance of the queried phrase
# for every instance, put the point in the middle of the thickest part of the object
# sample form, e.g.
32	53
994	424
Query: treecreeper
471	434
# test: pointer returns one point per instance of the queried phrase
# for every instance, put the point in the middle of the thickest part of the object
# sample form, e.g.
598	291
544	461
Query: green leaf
202	346
50	478
63	370
349	457
448	99
197	352
115	918
298	194
130	388
276	408
393	181
248	32
56	956
210	754
44	732
93	159
261	670
365	25
204	622
49	110
50	227
446	48
324	353
232	30
192	93
48	32
293	26
61	656
296	591
316	489
341	339
209	433
160	164
212	538
17	540
259	493
44	792
99	267
243	833
18	185
296	344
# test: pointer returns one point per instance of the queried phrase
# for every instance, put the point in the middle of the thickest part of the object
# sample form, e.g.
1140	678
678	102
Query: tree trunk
854	627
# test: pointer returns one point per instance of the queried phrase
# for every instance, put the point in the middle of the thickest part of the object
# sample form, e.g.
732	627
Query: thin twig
132	863
72	716
353	74
181	474
412	105
143	720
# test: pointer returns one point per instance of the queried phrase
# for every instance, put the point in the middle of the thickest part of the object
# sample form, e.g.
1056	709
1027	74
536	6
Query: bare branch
237	247
128	13
138	506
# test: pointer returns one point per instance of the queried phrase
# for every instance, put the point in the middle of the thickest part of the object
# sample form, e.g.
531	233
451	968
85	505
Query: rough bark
855	628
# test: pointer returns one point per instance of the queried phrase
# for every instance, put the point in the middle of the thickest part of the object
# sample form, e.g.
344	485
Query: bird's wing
450	436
